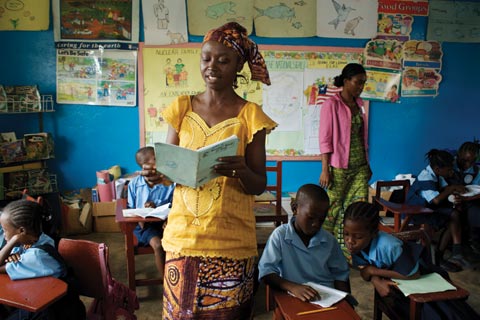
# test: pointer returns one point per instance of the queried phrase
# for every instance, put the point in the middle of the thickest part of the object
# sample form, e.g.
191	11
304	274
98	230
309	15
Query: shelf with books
25	159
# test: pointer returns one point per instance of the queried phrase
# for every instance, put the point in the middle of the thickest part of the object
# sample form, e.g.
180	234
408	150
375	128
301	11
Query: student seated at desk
431	189
381	256
301	251
30	253
466	172
150	190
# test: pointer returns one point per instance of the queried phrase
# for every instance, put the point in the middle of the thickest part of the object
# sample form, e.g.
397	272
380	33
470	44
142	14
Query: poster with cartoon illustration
454	21
86	24
97	77
164	22
383	53
301	81
420	82
347	18
204	15
288	18
394	26
382	85
25	15
426	54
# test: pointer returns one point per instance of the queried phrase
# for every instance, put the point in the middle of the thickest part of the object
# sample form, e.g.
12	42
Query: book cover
39	181
192	168
38	146
13	151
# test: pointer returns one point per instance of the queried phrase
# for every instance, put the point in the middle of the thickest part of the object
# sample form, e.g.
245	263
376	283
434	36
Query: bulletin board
301	76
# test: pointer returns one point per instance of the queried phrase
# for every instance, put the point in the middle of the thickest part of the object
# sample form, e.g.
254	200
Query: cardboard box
76	220
104	217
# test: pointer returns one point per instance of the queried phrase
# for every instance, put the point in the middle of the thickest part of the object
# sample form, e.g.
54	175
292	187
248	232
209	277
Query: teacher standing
210	238
344	148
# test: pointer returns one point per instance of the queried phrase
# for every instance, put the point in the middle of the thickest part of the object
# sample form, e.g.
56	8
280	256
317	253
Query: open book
328	296
192	168
160	212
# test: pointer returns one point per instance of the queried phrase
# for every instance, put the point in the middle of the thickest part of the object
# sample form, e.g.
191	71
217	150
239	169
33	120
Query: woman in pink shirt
344	148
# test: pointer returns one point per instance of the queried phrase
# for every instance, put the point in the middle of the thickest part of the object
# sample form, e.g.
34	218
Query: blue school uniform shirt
139	192
473	172
385	252
34	262
286	255
2	237
426	187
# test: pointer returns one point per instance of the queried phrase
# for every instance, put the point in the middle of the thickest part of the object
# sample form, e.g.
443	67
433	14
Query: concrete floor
150	297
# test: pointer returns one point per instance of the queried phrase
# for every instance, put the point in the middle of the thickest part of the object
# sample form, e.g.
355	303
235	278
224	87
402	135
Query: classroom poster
289	18
383	53
347	19
204	15
25	15
301	78
164	21
382	85
420	82
97	77
454	21
86	24
394	26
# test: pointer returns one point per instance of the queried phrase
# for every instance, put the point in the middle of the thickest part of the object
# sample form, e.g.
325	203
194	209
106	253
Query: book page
160	212
192	168
328	296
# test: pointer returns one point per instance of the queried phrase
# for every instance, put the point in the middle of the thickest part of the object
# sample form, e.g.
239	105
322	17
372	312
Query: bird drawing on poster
342	13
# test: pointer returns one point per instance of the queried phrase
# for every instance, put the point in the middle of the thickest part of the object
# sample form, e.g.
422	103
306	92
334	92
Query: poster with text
382	85
97	77
411	7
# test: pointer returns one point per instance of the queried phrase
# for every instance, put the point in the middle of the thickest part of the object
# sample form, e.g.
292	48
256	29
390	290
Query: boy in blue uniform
150	190
381	256
301	251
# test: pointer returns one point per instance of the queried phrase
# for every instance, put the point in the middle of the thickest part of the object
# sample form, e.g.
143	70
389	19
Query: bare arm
448	190
369	271
324	180
302	292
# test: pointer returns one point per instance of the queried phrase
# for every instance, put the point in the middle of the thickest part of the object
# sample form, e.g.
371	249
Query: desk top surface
290	306
31	294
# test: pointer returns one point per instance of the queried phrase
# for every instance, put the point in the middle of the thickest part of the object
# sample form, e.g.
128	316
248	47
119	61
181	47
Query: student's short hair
142	153
365	213
313	192
439	158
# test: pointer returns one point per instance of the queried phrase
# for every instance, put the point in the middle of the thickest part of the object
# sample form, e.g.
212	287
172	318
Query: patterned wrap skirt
208	288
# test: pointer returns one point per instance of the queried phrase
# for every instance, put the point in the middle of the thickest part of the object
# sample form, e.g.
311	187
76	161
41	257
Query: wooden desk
287	307
31	294
127	225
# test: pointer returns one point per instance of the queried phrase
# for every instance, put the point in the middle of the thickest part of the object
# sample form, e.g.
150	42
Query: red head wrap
235	36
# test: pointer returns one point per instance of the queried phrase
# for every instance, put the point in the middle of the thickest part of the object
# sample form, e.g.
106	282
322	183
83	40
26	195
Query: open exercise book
160	212
432	282
192	168
328	296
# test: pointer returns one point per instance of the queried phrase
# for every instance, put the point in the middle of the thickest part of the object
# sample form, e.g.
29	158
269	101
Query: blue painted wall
90	138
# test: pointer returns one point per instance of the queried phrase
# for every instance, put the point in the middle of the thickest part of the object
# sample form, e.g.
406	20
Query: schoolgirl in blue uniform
381	256
466	172
431	189
24	257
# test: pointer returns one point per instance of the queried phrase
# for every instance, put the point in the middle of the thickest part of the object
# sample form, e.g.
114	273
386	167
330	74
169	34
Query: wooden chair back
89	265
398	214
268	206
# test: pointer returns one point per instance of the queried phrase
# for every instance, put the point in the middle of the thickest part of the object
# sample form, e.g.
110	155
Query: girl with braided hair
380	256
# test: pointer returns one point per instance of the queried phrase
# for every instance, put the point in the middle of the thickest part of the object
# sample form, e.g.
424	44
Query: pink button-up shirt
335	127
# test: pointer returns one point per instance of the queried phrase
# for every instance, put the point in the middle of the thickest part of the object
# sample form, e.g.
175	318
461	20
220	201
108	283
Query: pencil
316	311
